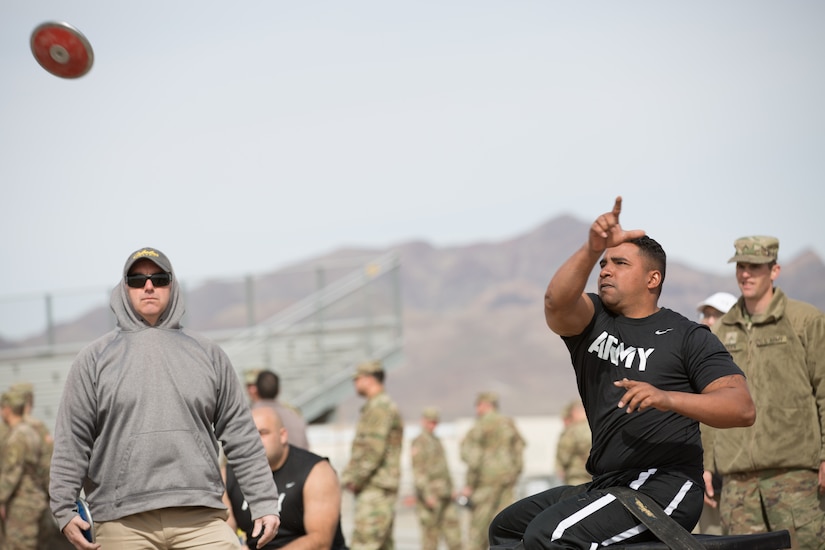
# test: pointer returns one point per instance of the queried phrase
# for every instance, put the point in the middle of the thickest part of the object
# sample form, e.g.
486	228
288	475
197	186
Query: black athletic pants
563	517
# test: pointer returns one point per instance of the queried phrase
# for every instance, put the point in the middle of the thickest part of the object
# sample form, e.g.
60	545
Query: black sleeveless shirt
290	479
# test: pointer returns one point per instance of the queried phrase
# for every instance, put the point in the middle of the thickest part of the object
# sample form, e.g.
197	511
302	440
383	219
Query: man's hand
709	493
641	396
606	232
74	533
265	528
822	478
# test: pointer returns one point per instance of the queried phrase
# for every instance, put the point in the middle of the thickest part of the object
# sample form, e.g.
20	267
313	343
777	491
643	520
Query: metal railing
313	344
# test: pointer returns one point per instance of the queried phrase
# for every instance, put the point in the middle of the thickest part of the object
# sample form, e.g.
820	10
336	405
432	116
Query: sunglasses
139	281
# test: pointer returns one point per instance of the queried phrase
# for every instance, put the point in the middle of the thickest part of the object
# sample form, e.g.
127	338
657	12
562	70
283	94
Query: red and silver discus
62	50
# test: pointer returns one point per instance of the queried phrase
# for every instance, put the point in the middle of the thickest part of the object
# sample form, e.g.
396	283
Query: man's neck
372	391
13	420
755	306
280	464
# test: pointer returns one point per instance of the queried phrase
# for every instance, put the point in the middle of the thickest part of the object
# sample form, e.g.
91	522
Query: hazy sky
240	137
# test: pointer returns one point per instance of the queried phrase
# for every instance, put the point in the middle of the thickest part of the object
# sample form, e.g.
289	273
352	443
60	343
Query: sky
243	137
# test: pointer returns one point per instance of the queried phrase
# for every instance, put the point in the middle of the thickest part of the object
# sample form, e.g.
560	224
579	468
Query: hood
129	320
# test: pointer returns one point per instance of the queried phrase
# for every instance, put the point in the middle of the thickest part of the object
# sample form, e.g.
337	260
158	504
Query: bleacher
313	344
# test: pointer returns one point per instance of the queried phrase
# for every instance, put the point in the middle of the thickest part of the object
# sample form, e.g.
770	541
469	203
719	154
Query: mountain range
472	316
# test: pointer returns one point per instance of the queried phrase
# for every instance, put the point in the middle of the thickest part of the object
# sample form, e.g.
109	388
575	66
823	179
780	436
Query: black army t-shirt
666	350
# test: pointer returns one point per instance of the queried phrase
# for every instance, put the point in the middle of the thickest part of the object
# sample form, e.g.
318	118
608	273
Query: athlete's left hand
641	395
822	478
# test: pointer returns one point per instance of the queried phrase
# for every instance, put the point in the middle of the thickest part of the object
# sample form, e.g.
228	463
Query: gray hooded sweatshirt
140	418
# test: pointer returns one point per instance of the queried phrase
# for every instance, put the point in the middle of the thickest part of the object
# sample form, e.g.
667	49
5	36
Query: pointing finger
617	207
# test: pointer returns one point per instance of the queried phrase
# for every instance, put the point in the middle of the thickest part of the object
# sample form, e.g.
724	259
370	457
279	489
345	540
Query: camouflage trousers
441	521
374	516
488	500
22	525
772	500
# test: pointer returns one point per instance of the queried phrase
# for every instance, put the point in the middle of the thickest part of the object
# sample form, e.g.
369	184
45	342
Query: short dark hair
268	384
655	254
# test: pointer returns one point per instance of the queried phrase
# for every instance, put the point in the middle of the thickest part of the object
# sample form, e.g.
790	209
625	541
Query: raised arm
566	307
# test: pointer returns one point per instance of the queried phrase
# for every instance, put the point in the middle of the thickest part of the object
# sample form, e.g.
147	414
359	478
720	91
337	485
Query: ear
654	279
775	271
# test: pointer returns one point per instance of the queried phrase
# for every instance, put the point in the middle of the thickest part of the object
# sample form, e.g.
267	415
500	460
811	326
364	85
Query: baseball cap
430	413
721	301
13	399
758	249
487	397
250	376
25	388
148	253
368	368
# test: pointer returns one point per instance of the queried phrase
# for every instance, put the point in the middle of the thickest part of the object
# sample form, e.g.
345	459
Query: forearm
722	408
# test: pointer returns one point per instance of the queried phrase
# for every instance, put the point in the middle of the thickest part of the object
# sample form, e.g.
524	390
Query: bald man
310	494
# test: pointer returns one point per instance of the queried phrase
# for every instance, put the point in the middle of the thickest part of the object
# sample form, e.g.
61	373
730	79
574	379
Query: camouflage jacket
375	460
48	447
430	472
21	463
572	452
493	451
781	353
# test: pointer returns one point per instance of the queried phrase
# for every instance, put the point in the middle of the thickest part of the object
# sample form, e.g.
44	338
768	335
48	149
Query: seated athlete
647	377
310	495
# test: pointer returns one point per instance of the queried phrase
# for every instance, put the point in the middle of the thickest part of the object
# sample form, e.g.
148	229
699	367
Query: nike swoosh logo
290	485
663	331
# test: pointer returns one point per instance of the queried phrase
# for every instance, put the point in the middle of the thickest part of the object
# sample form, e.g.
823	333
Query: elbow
748	412
745	416
748	415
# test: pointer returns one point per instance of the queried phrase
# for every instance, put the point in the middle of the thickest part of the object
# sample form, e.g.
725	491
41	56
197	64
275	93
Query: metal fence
347	313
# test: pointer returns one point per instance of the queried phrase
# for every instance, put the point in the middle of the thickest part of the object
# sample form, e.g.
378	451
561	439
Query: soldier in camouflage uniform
23	496
4	432
374	470
573	447
49	535
434	487
773	473
493	451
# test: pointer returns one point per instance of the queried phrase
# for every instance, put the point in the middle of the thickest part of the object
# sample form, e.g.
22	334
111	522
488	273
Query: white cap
721	301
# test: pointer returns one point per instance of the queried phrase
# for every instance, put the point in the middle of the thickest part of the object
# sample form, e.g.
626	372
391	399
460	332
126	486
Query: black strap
654	518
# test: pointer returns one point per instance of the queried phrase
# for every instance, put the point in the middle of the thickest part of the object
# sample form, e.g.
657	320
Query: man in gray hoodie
140	420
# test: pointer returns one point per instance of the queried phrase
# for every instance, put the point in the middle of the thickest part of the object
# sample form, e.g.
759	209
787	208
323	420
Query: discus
86	515
62	50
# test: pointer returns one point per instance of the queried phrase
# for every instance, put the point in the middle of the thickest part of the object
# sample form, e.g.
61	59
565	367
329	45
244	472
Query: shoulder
97	346
302	454
384	402
207	344
803	311
321	475
22	436
677	319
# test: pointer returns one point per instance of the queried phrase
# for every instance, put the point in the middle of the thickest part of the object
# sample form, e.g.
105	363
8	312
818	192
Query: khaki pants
168	529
